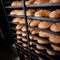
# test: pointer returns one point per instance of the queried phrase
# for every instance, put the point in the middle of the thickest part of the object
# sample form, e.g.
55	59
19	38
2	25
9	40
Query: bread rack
26	51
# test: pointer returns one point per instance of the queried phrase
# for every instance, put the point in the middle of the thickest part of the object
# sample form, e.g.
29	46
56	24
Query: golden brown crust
54	38
24	34
18	32
18	27
19	37
24	45
52	1
55	27
35	32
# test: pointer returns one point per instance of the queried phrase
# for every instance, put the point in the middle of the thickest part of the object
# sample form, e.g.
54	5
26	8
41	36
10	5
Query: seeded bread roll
34	23
50	53
18	32
55	14
18	27
42	13
44	25
44	34
40	1
30	12
24	34
19	37
16	20
55	27
56	48
16	3
41	41
52	1
14	12
39	47
54	38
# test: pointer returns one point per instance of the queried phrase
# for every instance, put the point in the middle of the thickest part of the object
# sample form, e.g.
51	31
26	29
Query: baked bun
24	39
19	37
35	32
16	20
37	52
34	38
40	58
40	1
24	34
30	12
23	29
52	1
55	14
41	41
39	47
54	38
18	27
24	45
56	48
30	29
44	34
18	41
45	24
34	23
31	37
50	53
31	43
16	3
42	13
18	32
55	27
14	12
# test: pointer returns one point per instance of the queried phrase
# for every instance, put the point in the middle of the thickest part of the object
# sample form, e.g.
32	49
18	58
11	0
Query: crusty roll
42	13
41	41
19	42
52	1
19	37
35	39
24	45
14	12
55	14
16	3
24	39
44	34
45	24
40	1
16	20
18	27
23	28
50	53
40	58
30	12
31	37
34	31
34	23
37	52
18	32
55	27
56	48
31	43
54	38
24	34
39	47
30	29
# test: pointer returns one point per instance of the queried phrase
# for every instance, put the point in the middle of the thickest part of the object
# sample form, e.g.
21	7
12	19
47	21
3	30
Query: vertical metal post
26	24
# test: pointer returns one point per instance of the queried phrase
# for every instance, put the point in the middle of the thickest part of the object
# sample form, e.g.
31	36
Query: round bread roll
18	27
44	34
29	2
40	58
55	27
19	37
55	14
41	41
34	38
40	1
39	47
31	43
30	12
42	13
37	52
52	1
19	42
50	53
23	29
16	20
24	39
14	12
34	23
54	38
24	34
24	45
44	24
34	32
16	3
56	48
31	37
18	32
30	29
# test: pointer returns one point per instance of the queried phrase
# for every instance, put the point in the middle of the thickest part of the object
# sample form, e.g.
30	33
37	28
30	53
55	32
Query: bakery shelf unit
28	51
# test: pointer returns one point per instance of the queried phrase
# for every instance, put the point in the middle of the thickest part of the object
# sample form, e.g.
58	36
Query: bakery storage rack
28	48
